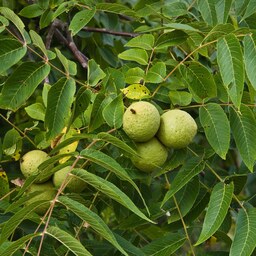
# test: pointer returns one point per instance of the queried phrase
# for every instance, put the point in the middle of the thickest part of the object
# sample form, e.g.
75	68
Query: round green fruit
153	155
46	191
30	161
141	121
177	129
75	184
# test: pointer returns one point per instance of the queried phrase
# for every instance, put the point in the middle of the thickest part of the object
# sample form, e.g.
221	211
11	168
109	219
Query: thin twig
111	32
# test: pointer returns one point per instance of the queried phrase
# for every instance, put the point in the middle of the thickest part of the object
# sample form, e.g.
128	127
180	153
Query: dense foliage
68	71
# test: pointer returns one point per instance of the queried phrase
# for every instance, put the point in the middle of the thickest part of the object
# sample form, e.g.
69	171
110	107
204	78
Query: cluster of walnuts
46	188
155	134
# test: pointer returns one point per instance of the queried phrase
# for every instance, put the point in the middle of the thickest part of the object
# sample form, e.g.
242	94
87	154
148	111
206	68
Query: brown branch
109	31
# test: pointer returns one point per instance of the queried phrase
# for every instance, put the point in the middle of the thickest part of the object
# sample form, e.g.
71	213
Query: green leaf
113	112
171	39
115	8
220	200
156	73
36	111
186	198
109	189
82	101
11	51
216	127
165	245
145	41
4	186
138	55
200	81
96	119
68	241
110	164
134	75
250	9
92	219
69	66
14	18
60	98
230	60
95	73
31	11
245	234
22	83
190	169
116	142
80	19
11	248
180	98
136	92
250	58
243	125
12	223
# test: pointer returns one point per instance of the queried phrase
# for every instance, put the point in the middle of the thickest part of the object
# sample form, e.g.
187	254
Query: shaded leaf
80	19
243	125
92	219
250	58
216	127
166	245
60	98
138	55
22	83
116	142
109	189
230	60
68	241
171	39
245	233
180	98
220	200
200	81
12	247
136	92
11	51
113	112
191	168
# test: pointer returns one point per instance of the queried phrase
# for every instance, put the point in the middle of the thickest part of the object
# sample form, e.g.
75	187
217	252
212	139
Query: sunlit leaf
145	41
80	19
60	98
138	55
113	112
136	92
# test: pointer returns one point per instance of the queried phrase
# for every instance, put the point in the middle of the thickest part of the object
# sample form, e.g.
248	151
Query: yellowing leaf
136	92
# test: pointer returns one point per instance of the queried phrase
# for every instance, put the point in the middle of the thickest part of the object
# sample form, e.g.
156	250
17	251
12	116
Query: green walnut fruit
177	129
46	191
153	155
75	184
30	161
141	121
